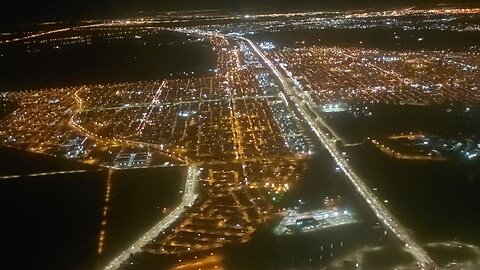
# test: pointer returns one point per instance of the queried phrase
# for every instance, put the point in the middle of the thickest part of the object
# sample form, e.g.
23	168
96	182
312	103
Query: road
113	141
188	199
5	177
318	125
173	103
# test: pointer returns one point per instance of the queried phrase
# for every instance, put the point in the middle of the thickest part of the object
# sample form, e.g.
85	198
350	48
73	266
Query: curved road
188	199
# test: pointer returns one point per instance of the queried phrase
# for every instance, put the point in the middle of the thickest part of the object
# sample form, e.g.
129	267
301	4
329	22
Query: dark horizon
31	11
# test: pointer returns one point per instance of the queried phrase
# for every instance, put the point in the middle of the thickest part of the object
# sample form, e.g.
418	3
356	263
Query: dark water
438	201
319	180
446	120
103	60
51	222
55	221
138	199
19	162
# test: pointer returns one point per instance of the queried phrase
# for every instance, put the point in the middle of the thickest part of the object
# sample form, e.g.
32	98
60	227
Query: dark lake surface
443	120
55	221
437	200
139	199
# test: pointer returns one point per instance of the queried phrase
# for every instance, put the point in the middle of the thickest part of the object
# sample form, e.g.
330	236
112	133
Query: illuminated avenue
188	199
384	215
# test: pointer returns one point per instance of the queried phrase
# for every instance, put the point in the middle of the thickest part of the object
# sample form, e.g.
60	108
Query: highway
188	199
6	177
318	125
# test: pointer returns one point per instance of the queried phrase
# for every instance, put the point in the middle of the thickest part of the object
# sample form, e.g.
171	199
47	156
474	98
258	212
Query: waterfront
57	218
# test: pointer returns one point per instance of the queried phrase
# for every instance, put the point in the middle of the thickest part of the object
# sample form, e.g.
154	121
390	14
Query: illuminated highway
302	106
188	199
6	177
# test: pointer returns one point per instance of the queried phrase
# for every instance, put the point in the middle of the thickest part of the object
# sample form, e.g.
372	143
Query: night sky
19	11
